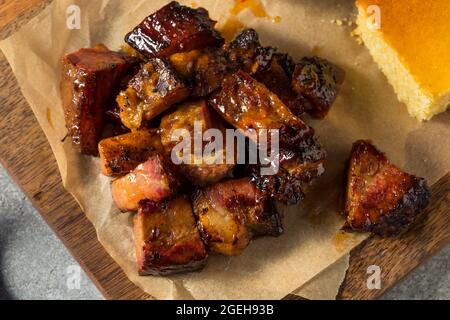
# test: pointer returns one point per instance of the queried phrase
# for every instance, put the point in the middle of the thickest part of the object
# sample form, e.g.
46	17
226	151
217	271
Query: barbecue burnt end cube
246	53
199	171
90	80
154	89
277	77
266	65
232	212
318	81
381	198
156	179
172	29
121	154
167	239
250	106
203	69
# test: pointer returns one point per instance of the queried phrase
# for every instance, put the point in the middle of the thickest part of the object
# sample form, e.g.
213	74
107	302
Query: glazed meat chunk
204	69
90	80
230	213
155	180
246	53
380	197
249	106
121	154
297	167
319	81
277	77
271	68
153	90
195	117
166	238
281	186
172	29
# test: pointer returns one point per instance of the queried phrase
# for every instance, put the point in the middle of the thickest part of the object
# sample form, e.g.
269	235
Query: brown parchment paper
269	268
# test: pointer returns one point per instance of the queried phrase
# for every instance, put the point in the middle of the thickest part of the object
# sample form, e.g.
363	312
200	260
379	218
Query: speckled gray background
34	264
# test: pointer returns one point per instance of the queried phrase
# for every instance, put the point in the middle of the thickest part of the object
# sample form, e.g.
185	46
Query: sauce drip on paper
232	25
49	117
254	5
339	240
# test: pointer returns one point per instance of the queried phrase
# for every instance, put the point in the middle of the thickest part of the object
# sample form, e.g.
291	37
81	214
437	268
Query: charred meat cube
297	167
277	77
246	53
90	80
204	69
155	180
381	198
174	28
249	106
153	90
231	213
305	162
269	67
121	154
319	81
166	238
195	117
281	187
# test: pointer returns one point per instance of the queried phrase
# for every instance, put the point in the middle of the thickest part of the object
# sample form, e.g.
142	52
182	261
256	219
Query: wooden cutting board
26	155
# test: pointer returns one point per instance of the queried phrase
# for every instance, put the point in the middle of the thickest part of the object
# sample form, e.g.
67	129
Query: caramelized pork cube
319	81
195	117
277	77
246	53
249	106
281	186
90	80
154	180
231	213
380	197
153	90
204	69
121	154
306	162
269	67
297	167
174	28
166	238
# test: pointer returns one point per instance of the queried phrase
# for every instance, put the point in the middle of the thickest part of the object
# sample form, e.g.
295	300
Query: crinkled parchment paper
269	267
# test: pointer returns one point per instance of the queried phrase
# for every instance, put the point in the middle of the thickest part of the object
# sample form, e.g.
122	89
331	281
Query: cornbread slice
412	47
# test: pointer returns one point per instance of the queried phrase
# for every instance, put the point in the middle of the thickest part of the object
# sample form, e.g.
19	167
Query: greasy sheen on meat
121	154
155	88
249	106
155	180
277	77
184	117
380	197
231	213
269	67
204	69
319	81
246	53
282	186
172	29
298	166
90	80
166	238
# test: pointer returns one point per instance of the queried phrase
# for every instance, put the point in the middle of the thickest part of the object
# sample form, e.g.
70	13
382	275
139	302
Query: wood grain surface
26	155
